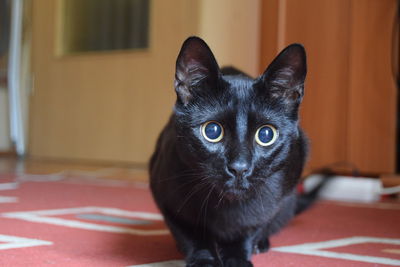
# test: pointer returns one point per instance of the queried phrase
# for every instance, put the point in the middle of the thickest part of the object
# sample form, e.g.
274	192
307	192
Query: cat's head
239	133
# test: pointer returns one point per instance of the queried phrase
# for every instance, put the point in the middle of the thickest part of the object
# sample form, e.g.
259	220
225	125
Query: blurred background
92	80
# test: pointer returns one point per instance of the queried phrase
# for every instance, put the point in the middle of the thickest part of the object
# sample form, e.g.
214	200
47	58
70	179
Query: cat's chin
235	194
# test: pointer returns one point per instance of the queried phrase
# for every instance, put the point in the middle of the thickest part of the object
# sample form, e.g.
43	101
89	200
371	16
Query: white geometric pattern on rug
316	249
47	216
8	199
9	241
8	186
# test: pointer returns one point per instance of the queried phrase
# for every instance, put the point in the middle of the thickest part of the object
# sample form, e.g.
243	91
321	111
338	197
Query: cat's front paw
236	262
202	258
262	246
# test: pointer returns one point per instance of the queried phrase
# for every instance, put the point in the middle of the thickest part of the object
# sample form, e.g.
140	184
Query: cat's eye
266	135
212	131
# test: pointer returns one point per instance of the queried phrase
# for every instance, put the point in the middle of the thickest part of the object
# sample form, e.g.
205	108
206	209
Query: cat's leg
202	258
261	240
199	252
237	253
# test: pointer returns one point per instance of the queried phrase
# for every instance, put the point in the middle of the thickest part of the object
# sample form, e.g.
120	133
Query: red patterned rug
78	221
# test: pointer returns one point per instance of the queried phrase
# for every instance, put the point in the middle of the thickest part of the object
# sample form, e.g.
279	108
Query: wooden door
350	101
106	106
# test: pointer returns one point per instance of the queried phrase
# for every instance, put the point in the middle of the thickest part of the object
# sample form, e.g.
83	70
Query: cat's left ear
285	76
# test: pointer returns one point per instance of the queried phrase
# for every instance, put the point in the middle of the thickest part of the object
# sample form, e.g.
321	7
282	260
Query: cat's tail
307	199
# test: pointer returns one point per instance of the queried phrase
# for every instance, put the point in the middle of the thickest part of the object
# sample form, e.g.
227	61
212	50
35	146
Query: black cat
226	165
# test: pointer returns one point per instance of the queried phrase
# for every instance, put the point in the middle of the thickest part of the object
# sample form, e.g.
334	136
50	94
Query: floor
70	214
65	167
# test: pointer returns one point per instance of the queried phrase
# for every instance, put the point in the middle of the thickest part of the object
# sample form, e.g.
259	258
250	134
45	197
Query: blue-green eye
266	135
212	131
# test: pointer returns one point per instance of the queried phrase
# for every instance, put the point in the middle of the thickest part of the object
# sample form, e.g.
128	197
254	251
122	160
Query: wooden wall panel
104	106
322	27
269	32
349	111
372	100
231	29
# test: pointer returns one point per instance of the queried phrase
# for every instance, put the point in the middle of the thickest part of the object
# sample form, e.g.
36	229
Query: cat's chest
231	220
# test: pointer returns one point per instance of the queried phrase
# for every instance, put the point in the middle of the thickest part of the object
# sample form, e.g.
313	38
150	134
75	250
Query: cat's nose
238	168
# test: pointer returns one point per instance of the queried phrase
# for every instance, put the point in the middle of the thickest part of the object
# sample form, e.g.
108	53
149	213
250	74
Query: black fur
223	200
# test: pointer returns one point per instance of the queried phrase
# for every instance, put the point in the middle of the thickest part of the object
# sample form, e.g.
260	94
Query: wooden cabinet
349	111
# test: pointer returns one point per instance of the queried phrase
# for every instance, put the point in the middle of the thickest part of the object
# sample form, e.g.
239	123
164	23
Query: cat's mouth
236	188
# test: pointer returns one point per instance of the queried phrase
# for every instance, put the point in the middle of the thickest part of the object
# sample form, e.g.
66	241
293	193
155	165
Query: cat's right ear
195	67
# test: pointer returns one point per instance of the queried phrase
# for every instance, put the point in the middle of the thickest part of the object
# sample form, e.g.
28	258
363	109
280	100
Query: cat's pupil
266	134
213	130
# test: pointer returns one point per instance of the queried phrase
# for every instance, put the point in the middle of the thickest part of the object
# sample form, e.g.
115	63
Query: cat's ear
195	66
285	76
